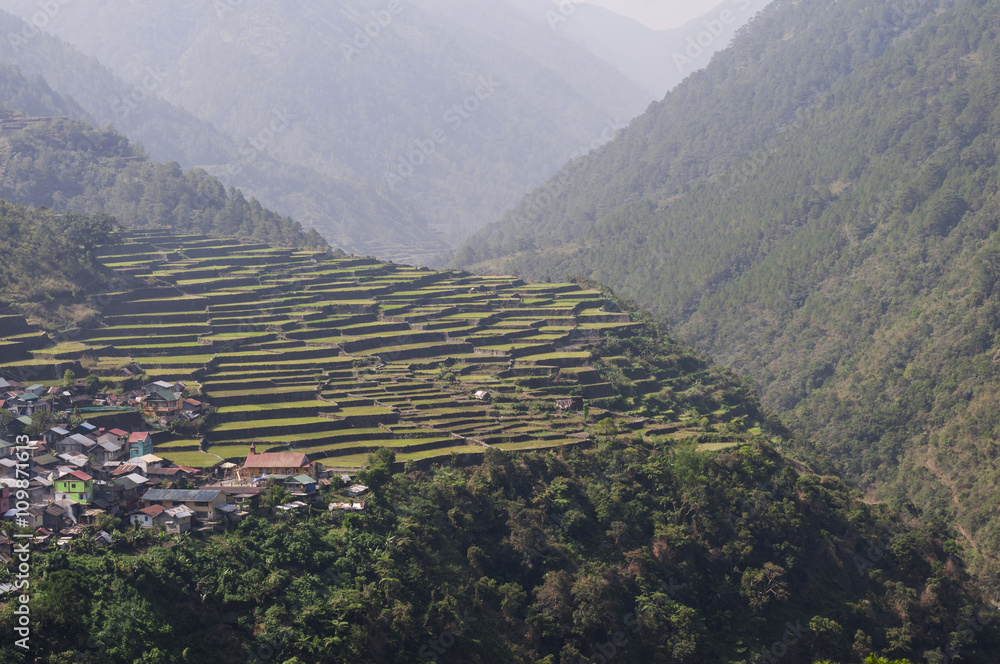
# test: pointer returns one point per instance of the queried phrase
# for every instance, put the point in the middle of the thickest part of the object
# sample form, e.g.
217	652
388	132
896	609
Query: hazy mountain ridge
746	96
348	212
553	96
69	166
656	60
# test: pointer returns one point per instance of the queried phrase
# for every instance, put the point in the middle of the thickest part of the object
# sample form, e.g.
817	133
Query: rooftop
183	495
277	460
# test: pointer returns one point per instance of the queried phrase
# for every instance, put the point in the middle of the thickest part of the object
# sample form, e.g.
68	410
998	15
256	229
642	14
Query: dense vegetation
702	543
69	165
48	256
850	264
673	555
752	92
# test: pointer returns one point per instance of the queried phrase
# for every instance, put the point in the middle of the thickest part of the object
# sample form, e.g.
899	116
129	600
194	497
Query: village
70	479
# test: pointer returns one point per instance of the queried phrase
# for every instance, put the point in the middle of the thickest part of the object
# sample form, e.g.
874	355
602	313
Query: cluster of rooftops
77	473
160	401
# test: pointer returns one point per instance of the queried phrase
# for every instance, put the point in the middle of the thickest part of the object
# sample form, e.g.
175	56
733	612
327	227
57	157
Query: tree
278	495
379	471
88	232
68	379
41	420
606	427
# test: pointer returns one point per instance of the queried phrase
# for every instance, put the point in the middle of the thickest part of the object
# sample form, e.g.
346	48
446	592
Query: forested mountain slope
454	108
850	266
70	167
347	212
773	72
627	553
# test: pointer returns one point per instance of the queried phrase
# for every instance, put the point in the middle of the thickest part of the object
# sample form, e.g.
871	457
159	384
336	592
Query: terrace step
241	397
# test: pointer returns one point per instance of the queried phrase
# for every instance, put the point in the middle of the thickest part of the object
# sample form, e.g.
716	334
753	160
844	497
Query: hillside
654	518
348	212
338	357
48	256
769	77
849	267
69	166
362	104
634	551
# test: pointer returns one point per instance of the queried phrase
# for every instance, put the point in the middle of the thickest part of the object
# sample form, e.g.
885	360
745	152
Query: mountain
347	212
659	521
450	109
70	166
656	60
848	264
764	82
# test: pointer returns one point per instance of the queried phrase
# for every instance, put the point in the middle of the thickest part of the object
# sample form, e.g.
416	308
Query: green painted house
75	485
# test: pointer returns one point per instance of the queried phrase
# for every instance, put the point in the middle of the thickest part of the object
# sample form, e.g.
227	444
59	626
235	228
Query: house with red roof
147	516
140	443
75	485
173	520
276	463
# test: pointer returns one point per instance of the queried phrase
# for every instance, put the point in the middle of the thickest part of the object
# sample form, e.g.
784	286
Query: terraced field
337	357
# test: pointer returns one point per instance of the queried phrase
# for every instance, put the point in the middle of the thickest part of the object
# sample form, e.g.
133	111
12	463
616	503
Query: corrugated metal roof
200	495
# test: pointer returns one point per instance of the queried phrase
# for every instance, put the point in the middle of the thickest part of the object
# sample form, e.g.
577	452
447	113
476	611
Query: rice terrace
339	356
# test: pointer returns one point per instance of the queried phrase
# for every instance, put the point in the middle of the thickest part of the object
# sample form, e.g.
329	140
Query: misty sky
660	14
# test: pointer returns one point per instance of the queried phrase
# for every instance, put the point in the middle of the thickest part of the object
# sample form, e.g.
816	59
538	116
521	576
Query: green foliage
697	558
71	167
40	261
277	495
